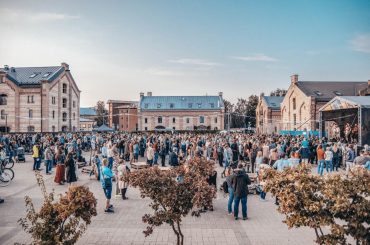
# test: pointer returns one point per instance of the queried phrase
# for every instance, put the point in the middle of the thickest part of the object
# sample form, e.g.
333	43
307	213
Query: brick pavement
264	225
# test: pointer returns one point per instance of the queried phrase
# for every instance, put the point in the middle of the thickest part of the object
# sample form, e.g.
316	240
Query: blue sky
116	49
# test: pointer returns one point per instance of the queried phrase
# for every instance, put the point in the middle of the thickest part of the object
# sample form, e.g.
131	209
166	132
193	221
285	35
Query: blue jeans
49	165
36	163
231	199
110	162
320	167
329	165
244	206
263	195
155	157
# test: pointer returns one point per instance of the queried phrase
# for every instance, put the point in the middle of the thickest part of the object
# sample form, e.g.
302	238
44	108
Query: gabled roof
87	111
327	90
273	102
347	102
23	76
181	103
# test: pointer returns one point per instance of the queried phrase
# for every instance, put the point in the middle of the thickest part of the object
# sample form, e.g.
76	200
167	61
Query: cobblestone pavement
264	225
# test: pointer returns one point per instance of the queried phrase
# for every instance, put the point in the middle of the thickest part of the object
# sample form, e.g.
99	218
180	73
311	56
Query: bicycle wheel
8	163
9	172
4	179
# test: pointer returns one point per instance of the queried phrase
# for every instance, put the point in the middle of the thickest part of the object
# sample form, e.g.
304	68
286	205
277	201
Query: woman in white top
328	159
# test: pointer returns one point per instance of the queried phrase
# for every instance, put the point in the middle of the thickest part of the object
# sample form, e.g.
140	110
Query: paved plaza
264	225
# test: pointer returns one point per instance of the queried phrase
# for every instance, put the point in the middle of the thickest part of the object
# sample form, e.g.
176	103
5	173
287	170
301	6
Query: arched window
31	128
159	119
64	103
64	88
201	119
30	113
64	115
2	116
3	99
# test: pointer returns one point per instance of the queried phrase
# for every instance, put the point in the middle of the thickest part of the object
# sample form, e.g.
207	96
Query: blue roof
32	75
86	120
87	111
273	101
181	103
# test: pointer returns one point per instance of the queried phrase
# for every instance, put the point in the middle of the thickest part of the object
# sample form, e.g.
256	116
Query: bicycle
5	177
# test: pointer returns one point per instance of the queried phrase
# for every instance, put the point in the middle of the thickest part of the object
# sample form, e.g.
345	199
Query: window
89	125
64	116
318	93
64	88
3	99
146	129
294	104
190	105
53	128
212	105
74	116
187	120
146	106
201	119
174	128
2	114
295	119
145	120
53	100
64	103
174	120
159	119
30	99
215	119
33	75
172	105
53	114
30	113
199	105
74	104
84	125
31	129
46	75
159	105
338	93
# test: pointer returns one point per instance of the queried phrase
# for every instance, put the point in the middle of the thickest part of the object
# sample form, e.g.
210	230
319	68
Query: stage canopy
347	117
103	128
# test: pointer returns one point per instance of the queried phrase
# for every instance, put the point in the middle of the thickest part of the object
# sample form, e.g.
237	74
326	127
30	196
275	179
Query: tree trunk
177	234
181	235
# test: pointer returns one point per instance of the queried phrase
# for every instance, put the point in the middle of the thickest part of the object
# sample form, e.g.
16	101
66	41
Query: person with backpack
228	188
240	182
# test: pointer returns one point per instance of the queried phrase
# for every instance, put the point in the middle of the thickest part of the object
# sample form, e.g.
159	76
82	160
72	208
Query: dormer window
33	75
46	75
318	93
146	106
159	105
199	105
172	105
212	105
190	105
338	93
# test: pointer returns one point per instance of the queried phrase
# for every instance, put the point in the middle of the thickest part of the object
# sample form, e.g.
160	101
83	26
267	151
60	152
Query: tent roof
347	102
103	128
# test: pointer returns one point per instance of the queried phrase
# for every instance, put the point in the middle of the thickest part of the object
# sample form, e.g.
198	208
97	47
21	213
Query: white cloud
197	62
15	15
361	43
256	57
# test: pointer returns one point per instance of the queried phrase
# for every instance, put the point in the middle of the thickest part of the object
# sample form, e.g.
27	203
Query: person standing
150	154
336	157
106	182
70	169
350	157
36	157
122	184
229	176
329	159
48	159
320	160
60	168
240	182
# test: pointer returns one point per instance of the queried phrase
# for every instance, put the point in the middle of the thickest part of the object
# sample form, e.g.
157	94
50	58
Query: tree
228	110
341	205
239	113
175	193
101	113
62	221
279	92
251	110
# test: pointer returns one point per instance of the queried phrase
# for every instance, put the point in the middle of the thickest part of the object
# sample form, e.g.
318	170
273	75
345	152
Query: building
113	112
86	124
268	114
300	107
38	99
88	112
181	112
128	119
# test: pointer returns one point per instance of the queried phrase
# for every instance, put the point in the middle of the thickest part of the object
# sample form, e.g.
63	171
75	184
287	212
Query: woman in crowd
60	167
70	169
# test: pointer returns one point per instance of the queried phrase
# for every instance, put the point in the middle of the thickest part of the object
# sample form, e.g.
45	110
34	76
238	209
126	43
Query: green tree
251	110
278	92
101	113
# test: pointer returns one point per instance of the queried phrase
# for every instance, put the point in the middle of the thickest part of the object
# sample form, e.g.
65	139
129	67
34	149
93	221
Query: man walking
240	182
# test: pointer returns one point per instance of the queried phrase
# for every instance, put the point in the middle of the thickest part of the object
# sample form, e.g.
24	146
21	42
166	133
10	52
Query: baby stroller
20	154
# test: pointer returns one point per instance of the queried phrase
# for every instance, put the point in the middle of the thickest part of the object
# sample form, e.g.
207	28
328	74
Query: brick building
180	112
38	99
128	119
301	104
114	114
268	114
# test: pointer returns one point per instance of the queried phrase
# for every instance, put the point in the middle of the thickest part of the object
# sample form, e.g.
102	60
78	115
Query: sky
117	49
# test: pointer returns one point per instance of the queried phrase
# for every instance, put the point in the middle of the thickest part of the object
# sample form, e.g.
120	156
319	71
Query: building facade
180	112
128	119
114	114
38	99
268	114
301	105
86	124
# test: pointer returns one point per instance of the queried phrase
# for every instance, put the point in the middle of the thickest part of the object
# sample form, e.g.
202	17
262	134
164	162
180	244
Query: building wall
128	119
18	105
268	120
181	117
86	126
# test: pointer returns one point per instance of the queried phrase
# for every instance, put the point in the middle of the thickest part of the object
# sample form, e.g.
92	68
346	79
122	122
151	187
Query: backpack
225	187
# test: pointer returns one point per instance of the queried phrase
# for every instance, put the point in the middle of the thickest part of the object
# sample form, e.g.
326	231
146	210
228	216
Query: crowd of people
237	154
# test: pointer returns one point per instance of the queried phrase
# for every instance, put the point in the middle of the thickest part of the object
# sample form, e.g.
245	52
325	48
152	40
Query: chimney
12	69
6	67
65	65
149	94
220	94
141	95
294	78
